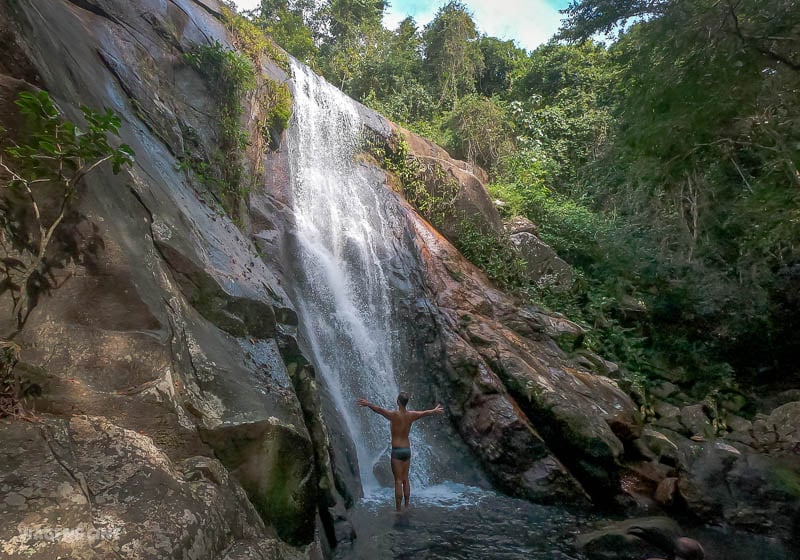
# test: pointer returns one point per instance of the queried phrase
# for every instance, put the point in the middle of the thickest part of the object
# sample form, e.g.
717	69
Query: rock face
89	489
471	200
509	381
725	479
167	328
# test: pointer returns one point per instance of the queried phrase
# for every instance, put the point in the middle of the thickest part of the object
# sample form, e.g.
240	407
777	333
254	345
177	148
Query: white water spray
347	227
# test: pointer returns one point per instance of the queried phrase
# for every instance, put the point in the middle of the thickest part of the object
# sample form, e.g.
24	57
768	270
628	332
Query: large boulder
615	541
489	421
510	350
470	200
89	489
747	489
785	420
543	266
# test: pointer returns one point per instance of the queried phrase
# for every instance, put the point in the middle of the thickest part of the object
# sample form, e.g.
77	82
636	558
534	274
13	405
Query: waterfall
347	227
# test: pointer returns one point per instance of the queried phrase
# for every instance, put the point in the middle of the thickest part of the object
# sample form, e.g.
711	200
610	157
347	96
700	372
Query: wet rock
568	335
764	433
732	402
598	364
662	445
265	549
615	542
786	422
235	315
666	491
512	452
168	324
666	410
664	390
668	416
744	488
272	462
509	352
738	424
471	201
671	423
520	224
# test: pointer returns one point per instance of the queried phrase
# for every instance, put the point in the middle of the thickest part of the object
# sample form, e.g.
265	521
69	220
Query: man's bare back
400	422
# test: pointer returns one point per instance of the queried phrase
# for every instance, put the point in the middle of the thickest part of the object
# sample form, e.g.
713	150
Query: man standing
400	421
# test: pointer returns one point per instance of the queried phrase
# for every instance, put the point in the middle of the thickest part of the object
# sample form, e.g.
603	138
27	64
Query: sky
529	22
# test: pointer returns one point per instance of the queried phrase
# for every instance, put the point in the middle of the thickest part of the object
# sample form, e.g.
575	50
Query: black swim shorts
401	453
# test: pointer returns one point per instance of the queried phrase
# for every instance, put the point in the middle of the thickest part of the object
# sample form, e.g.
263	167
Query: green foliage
561	109
573	230
501	60
229	72
347	18
292	24
664	166
51	139
481	133
453	56
494	255
426	186
48	162
230	76
252	40
275	100
585	18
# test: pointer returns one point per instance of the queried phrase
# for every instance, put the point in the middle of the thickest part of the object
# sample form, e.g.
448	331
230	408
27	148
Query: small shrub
275	101
230	76
251	40
496	256
426	186
52	160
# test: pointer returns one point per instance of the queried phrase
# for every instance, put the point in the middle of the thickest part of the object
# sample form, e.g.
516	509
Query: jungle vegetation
656	144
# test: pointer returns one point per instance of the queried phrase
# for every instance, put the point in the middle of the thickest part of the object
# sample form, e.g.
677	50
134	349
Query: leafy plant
481	131
230	75
426	186
496	256
53	160
252	40
10	384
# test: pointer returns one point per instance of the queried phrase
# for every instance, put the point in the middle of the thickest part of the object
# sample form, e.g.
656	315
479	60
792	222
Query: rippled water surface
451	521
455	522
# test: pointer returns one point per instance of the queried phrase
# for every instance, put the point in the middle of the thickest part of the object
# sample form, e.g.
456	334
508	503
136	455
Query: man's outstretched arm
422	413
375	408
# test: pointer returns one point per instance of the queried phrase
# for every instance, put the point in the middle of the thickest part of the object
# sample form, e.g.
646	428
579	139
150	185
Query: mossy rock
274	462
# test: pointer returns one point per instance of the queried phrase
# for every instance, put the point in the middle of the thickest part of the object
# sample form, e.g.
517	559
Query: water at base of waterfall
453	521
456	522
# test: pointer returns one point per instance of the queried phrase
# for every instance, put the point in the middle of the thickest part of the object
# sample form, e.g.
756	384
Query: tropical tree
453	58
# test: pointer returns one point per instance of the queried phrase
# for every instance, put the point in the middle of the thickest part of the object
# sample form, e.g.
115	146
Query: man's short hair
402	398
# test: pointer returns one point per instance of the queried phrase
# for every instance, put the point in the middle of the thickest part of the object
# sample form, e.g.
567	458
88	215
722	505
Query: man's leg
406	482
397	472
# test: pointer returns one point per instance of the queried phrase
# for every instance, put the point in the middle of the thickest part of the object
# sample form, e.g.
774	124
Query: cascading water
346	227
